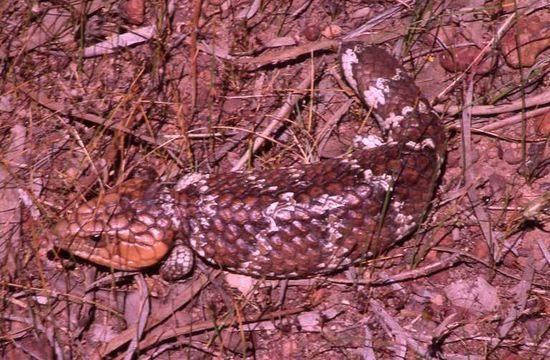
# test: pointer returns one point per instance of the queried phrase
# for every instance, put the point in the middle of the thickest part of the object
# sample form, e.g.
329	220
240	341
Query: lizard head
128	228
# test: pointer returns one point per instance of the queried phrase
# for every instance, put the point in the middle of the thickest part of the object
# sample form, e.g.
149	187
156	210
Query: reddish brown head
128	228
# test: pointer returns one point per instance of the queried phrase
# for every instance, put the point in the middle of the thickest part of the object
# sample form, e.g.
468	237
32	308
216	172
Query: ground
92	90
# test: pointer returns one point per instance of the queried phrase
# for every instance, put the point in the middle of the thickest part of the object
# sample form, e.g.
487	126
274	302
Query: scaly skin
284	223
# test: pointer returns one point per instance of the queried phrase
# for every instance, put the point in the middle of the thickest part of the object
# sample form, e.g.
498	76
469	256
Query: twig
191	289
144	309
59	294
368	347
544	250
446	263
357	33
487	264
445	327
522	293
107	123
194	328
276	57
10	216
56	107
514	119
396	329
481	215
324	133
120	41
278	118
132	37
197	5
87	155
536	100
311	321
425	271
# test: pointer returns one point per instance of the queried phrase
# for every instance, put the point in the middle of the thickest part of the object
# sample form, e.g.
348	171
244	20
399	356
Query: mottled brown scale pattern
290	222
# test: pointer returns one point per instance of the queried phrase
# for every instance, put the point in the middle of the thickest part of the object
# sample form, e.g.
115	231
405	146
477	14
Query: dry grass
86	99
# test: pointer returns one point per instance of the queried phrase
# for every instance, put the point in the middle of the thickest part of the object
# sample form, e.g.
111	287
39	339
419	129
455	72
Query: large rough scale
310	219
384	86
290	222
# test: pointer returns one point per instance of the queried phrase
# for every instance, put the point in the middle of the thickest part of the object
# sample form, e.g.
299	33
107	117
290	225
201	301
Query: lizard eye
95	238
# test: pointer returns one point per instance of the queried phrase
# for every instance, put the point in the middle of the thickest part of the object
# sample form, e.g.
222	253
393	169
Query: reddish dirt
192	92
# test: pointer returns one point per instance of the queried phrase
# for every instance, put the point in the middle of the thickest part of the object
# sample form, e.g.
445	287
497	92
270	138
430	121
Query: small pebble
361	13
497	183
460	59
332	31
133	11
492	153
542	124
512	155
312	32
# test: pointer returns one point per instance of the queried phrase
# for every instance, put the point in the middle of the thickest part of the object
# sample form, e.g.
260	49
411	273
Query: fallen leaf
477	296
